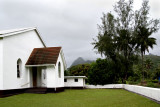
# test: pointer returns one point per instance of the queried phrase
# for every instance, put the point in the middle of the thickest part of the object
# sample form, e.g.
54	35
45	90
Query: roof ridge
4	32
48	47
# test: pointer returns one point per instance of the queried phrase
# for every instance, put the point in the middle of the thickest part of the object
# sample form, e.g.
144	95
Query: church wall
1	64
44	77
50	77
15	47
60	81
53	79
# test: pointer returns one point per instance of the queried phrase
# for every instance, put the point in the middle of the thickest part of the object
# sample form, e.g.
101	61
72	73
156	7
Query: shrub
157	85
150	84
101	72
154	81
132	80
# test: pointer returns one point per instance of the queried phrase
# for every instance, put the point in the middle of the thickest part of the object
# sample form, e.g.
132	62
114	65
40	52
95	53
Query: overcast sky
68	23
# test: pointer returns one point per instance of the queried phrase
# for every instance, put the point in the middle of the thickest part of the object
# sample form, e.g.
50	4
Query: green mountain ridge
80	60
155	59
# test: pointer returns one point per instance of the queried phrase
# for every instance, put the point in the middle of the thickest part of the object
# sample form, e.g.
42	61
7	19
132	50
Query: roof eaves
40	37
58	55
22	31
39	65
65	64
17	32
75	77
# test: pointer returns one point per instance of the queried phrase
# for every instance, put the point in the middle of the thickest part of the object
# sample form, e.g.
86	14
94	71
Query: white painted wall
50	77
44	77
71	83
15	47
153	93
30	77
59	81
1	64
105	86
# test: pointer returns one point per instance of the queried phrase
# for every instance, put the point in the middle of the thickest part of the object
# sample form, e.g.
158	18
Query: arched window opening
19	68
59	70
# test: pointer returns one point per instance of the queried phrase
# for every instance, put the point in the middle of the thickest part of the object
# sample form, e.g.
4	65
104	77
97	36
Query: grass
79	98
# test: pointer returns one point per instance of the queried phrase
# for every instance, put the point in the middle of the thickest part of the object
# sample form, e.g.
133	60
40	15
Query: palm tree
144	29
144	41
148	65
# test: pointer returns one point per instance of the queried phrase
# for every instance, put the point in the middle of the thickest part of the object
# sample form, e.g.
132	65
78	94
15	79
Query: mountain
80	60
155	58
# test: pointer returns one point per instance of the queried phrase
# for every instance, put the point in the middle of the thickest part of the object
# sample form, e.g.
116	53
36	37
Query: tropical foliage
124	36
102	72
78	70
122	39
144	28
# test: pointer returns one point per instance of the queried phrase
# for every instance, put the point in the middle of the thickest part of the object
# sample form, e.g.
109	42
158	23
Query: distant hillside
80	60
155	59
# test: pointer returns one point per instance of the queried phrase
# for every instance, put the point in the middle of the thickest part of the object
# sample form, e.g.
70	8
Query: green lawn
79	98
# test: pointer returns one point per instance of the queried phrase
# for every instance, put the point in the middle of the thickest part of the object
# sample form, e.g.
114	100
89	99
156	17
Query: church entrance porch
37	77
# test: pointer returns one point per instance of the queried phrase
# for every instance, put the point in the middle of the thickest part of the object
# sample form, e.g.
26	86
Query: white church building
27	65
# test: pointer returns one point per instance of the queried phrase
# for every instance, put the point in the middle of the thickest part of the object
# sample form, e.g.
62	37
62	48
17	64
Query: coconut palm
144	28
148	65
144	42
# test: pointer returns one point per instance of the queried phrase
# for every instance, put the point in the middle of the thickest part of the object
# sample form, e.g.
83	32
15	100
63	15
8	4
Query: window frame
19	68
65	80
76	80
59	69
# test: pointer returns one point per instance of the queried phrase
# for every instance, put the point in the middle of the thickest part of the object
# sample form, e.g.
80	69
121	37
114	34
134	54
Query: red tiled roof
44	56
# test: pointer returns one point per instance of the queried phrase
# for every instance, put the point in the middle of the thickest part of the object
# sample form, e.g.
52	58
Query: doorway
34	76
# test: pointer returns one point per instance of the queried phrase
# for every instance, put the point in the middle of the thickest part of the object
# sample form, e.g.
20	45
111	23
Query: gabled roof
5	33
44	56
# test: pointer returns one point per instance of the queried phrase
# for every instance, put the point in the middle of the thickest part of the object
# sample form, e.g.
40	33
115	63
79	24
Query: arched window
59	70
19	68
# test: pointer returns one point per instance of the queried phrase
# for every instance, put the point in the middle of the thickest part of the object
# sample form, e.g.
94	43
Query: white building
26	62
74	81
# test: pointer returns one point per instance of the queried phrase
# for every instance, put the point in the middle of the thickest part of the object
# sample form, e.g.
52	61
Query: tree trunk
142	66
126	66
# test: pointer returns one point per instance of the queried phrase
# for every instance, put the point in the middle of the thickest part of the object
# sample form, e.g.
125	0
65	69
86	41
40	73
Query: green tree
148	65
79	70
66	73
102	72
123	37
137	70
144	28
157	73
106	37
115	36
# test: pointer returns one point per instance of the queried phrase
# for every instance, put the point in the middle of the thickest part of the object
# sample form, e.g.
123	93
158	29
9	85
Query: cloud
68	23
